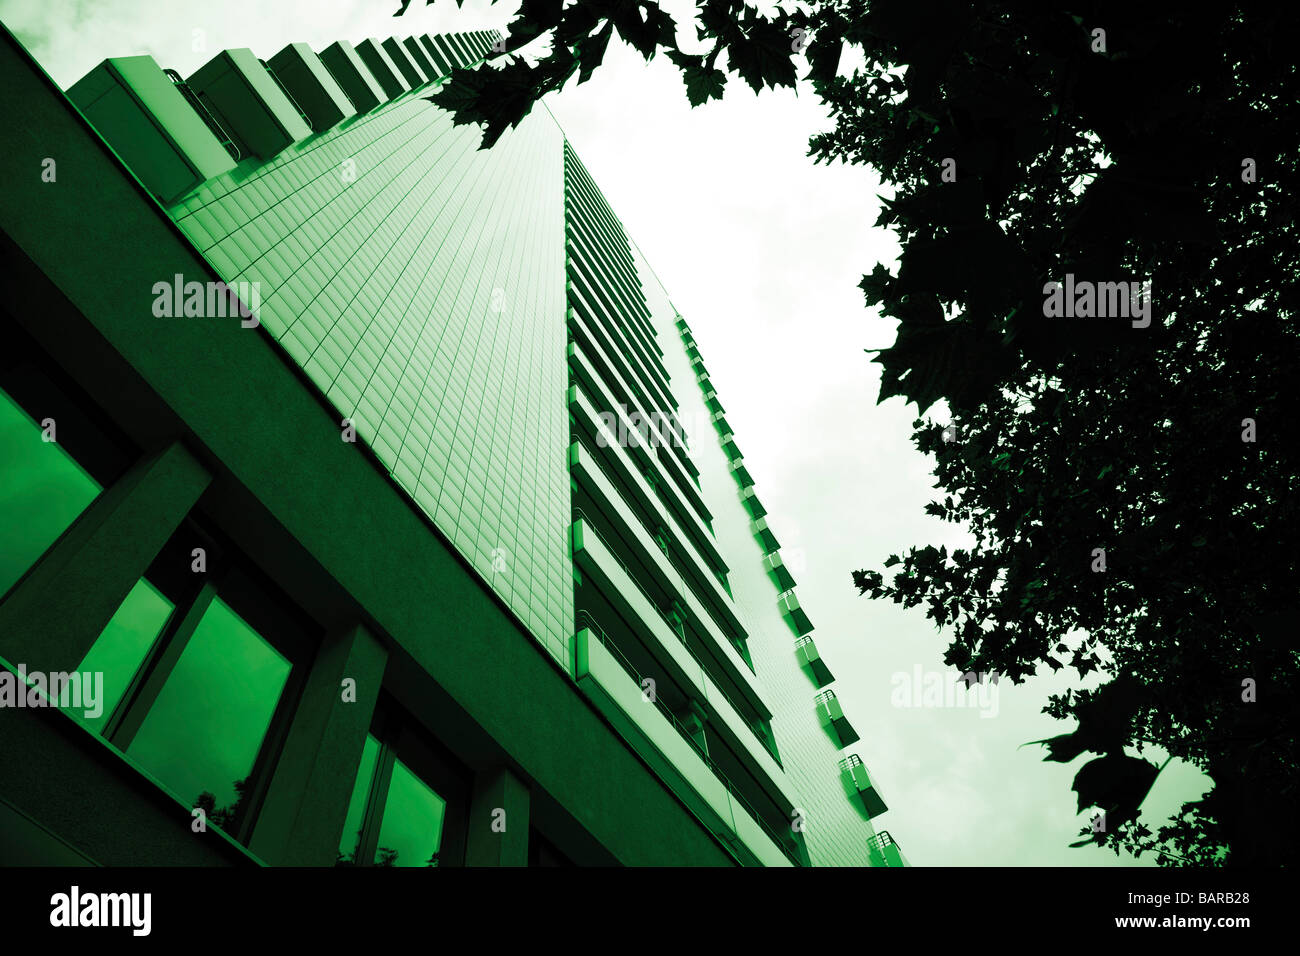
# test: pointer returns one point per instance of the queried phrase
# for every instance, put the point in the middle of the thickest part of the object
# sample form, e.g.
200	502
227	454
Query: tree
223	817
1097	210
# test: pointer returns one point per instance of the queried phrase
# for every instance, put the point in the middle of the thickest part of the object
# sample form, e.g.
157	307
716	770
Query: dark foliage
1163	151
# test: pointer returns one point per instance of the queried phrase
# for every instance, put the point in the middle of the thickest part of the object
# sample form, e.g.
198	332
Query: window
42	491
408	802
123	646
55	456
204	729
197	677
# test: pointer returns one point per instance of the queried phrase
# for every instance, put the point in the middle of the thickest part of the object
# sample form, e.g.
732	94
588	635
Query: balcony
145	117
855	775
794	614
833	719
353	76
777	572
308	81
651	629
382	68
766	537
749	498
615	689
417	53
405	63
249	102
810	660
885	851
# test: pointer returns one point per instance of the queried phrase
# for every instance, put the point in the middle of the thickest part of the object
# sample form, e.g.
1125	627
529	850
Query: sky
761	251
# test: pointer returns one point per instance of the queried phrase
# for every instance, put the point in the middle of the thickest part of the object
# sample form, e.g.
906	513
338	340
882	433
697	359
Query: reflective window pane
348	842
411	833
42	490
122	648
203	733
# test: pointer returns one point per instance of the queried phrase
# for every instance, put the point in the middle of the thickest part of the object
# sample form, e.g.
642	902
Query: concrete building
364	500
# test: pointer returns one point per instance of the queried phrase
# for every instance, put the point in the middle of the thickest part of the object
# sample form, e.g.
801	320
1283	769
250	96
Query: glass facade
203	731
419	283
42	491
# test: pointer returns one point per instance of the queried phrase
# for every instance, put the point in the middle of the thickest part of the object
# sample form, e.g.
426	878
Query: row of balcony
600	307
606	297
859	785
603	567
624	289
671	747
598	348
175	133
773	563
619	691
637	503
651	400
672	593
616	430
589	210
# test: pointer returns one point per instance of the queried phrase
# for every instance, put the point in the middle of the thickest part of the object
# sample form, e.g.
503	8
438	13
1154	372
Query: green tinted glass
351	837
42	490
411	834
203	733
122	647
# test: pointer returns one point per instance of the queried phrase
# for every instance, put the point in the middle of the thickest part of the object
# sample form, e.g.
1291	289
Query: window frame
255	600
402	738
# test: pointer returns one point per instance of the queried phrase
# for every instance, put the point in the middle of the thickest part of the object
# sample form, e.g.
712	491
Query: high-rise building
365	500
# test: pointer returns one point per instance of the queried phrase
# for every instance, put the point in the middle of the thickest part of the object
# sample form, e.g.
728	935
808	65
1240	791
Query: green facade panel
419	284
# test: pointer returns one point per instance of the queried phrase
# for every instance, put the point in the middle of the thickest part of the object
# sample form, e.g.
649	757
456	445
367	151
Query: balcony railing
716	605
585	619
306	121
884	847
663	616
205	114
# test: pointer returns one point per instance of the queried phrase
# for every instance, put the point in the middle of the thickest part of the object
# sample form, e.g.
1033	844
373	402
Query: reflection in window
351	839
42	491
411	834
123	646
203	733
395	817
